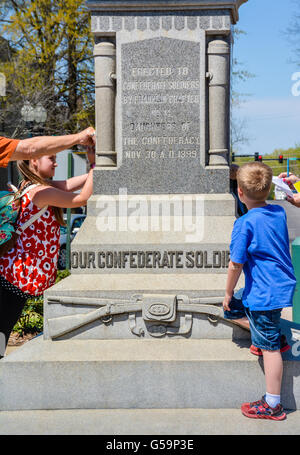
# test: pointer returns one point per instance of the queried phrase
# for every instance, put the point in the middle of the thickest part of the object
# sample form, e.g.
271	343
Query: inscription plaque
160	260
160	101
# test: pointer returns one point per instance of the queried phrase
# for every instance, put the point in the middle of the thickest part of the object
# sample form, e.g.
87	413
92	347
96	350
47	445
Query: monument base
138	374
149	264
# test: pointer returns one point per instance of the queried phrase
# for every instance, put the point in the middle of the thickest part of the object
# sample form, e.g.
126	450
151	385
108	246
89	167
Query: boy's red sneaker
261	410
283	343
255	351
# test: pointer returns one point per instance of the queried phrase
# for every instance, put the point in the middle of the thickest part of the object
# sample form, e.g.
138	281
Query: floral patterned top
32	264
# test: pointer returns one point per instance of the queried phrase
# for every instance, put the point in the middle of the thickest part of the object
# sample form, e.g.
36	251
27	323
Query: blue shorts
265	329
264	325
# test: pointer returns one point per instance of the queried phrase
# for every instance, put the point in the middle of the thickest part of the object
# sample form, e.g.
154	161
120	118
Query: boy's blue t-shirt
260	241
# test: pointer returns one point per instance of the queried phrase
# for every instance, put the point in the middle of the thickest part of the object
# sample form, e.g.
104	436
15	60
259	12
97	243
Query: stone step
138	374
158	422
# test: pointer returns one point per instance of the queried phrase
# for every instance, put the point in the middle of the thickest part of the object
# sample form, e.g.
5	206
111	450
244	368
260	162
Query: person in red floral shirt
30	267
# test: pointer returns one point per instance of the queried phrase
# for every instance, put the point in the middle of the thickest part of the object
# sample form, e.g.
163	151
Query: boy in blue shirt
260	247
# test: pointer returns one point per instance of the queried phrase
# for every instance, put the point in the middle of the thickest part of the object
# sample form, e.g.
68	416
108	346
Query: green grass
31	319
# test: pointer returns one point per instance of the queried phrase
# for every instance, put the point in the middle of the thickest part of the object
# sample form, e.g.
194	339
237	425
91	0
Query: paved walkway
143	422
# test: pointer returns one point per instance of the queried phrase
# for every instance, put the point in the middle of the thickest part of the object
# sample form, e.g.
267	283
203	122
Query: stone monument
139	322
160	219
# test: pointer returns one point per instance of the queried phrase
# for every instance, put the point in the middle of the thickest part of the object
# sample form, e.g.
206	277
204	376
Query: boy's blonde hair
255	180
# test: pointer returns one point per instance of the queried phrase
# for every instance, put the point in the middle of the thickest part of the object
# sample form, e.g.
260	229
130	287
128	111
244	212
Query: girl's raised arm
49	195
75	183
71	184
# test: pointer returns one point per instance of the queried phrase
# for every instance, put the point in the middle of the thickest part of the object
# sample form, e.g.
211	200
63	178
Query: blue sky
271	112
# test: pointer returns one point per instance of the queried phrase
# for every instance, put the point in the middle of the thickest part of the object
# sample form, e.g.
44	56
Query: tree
3	10
293	33
53	63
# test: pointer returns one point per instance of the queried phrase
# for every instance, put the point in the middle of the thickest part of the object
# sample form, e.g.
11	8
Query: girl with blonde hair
30	266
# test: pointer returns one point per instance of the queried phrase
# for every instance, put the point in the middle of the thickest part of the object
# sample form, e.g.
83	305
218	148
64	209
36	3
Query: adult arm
36	147
295	200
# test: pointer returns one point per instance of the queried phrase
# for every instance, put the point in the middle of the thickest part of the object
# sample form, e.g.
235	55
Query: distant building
79	165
